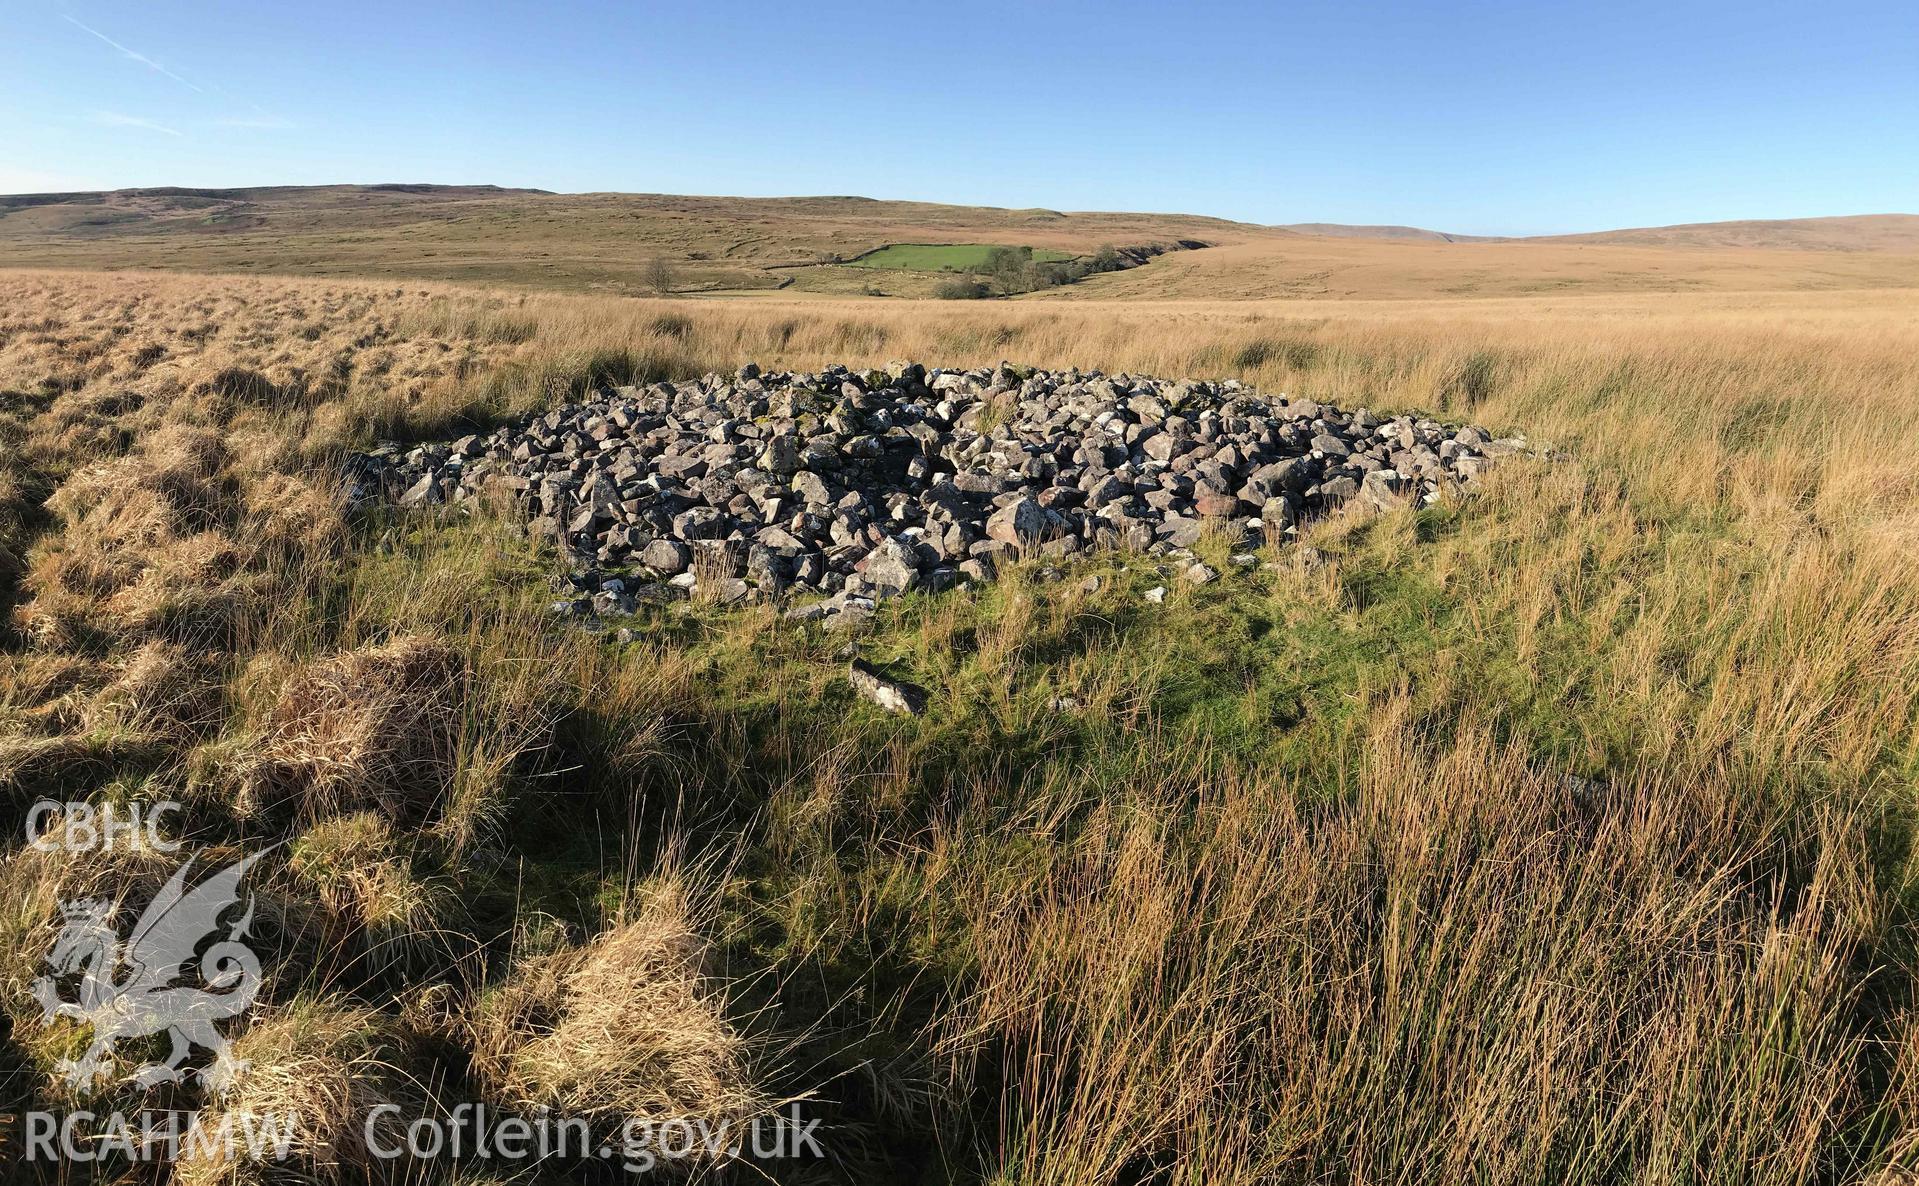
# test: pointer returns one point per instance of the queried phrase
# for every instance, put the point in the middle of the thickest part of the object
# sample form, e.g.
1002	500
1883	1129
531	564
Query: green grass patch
943	257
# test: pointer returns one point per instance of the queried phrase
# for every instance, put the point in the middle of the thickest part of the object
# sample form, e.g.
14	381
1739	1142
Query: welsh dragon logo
130	990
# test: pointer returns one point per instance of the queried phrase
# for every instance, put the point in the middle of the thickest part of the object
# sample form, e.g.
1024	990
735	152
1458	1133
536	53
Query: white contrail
115	119
262	121
141	58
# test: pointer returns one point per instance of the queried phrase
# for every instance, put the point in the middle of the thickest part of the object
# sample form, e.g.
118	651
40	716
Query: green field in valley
943	257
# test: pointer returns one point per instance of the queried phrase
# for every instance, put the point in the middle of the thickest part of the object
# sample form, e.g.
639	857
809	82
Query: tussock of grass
161	688
126	512
324	1067
372	896
71	763
627	1027
374	728
298	515
37	680
37	880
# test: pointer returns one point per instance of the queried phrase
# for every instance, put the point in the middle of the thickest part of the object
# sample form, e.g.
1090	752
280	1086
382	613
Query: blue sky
1496	116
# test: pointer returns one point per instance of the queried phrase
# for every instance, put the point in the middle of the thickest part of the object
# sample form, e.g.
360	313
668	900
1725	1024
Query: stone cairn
863	485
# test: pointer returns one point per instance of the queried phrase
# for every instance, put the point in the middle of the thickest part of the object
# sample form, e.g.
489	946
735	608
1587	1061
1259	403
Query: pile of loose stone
864	485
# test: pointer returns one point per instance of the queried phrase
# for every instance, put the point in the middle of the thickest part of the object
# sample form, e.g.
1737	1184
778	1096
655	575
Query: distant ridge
134	208
1856	232
1851	232
1341	230
253	193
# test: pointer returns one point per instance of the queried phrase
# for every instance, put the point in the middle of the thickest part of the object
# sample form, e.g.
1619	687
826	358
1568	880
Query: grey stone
667	557
781	456
425	492
893	566
1338	490
893	695
1385	490
1019	524
699	523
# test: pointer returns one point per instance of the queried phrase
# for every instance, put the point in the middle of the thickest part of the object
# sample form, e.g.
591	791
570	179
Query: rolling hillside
536	239
806	246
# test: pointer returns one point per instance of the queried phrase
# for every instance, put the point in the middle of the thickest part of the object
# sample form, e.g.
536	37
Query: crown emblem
93	910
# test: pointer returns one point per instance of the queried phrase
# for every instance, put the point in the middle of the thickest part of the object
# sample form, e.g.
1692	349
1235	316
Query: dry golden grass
627	1028
36	881
1439	975
321	1067
1402	269
374	729
359	872
1165	945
